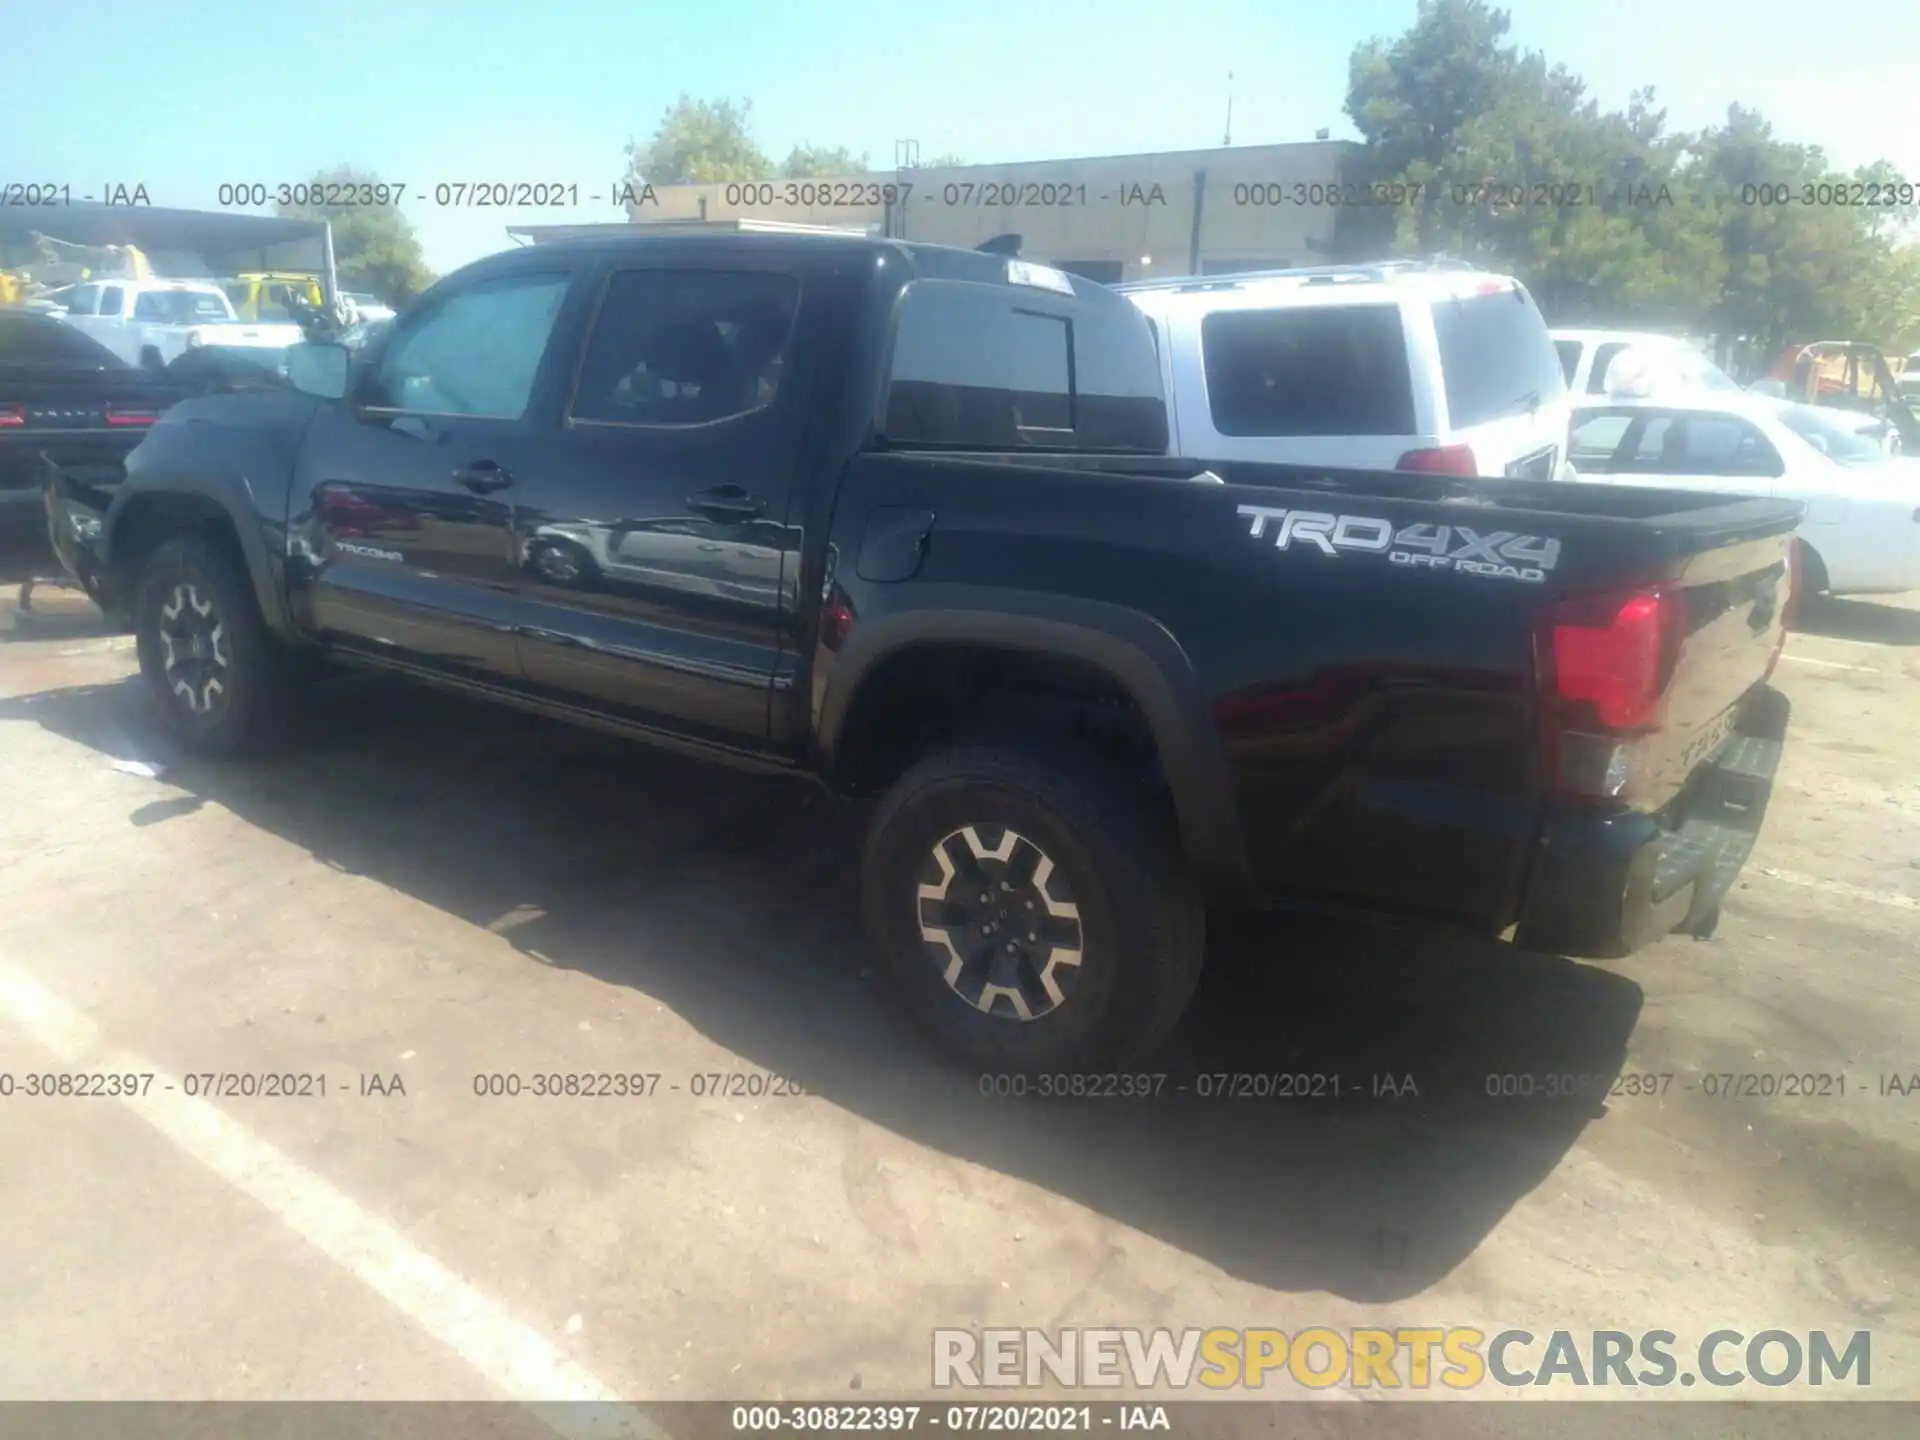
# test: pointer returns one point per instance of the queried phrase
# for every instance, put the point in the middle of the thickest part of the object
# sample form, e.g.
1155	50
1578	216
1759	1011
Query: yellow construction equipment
58	263
272	295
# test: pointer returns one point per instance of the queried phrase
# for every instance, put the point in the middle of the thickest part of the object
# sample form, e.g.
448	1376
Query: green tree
1791	268
814	162
1889	301
698	142
946	160
374	247
1411	98
1607	215
1588	206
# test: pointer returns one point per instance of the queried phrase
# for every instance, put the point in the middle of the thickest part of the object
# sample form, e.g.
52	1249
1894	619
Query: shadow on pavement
55	610
1859	620
745	891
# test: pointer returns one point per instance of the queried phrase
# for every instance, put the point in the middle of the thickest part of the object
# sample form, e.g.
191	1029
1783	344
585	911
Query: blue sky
431	91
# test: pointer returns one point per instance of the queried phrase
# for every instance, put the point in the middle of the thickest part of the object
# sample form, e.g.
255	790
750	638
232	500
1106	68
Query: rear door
409	491
653	554
1675	449
1504	393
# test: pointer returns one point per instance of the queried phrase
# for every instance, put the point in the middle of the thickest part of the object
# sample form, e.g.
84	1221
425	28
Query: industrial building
1109	218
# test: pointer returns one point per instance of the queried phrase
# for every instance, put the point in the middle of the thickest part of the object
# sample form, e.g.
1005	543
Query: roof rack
1324	274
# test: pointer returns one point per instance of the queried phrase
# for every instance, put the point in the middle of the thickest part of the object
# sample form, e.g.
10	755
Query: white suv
1406	365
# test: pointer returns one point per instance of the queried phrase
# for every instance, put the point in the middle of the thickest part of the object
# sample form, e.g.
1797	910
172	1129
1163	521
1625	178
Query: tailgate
1733	603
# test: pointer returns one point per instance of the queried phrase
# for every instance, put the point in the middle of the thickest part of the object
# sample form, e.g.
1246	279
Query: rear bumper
1603	886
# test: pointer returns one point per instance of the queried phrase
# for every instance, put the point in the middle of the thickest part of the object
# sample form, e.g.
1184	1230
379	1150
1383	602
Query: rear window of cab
1005	367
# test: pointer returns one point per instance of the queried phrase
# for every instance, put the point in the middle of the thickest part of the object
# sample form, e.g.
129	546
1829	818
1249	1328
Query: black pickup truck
900	518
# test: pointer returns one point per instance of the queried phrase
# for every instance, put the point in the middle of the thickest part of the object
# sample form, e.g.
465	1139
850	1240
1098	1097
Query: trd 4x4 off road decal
1500	555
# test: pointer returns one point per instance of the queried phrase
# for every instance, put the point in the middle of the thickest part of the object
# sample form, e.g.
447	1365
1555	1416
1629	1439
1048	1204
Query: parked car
1091	696
1861	532
66	396
149	322
1396	366
1587	355
367	307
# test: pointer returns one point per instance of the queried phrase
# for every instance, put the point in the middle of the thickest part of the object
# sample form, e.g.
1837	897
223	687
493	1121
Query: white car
1861	533
1587	355
366	308
1402	365
152	322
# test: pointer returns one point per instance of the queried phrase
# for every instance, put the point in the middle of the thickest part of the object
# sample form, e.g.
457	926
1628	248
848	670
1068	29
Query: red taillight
1604	662
836	623
1609	655
1442	460
12	414
117	416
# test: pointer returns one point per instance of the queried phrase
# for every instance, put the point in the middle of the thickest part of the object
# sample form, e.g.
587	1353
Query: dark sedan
66	398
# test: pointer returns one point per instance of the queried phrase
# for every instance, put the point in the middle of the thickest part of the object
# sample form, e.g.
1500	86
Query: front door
405	548
654	553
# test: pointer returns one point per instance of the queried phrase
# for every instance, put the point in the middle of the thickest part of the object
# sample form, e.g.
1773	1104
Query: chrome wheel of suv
194	651
1000	922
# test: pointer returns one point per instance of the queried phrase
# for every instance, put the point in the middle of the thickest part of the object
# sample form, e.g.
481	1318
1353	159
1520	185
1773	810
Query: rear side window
1496	357
1323	370
1704	445
1002	367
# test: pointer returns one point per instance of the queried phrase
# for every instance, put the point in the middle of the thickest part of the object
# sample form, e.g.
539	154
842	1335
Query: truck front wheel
1033	914
213	669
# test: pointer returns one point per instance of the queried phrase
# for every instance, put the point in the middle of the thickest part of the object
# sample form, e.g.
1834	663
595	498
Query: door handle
483	477
726	502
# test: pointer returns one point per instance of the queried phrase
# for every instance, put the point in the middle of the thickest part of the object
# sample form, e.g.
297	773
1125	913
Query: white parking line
1834	665
512	1356
1840	887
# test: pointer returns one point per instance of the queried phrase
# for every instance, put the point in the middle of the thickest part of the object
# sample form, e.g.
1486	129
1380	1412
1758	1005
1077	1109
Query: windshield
1832	436
1702	371
181	307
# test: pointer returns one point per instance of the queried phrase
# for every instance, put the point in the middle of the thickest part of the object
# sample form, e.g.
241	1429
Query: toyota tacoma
900	518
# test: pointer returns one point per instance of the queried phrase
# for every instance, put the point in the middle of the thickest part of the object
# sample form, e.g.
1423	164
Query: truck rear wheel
215	672
1033	915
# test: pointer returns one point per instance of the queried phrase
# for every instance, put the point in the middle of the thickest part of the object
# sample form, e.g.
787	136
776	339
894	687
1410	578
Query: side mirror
319	368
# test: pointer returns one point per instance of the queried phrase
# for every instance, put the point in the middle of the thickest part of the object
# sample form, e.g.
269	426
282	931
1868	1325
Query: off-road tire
251	675
1140	926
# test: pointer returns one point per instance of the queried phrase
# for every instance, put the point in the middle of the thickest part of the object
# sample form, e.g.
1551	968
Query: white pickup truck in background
150	322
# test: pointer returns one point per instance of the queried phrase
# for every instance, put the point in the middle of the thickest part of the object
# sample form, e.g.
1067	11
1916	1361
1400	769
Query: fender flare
240	514
1133	648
